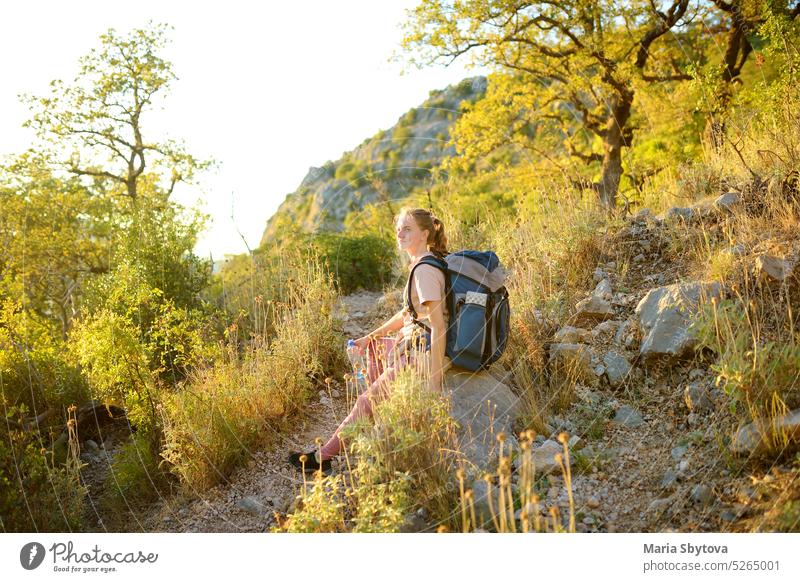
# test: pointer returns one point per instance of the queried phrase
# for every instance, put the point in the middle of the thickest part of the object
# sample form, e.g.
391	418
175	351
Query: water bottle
357	362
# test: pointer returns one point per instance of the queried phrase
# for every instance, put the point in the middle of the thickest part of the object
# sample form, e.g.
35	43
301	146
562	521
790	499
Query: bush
36	495
241	399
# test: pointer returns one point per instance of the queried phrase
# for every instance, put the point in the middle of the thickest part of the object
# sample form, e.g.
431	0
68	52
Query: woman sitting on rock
419	234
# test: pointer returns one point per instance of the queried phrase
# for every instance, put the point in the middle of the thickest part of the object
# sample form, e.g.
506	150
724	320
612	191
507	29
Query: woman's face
409	236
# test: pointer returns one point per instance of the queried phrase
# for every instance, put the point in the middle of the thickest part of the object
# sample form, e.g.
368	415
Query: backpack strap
440	264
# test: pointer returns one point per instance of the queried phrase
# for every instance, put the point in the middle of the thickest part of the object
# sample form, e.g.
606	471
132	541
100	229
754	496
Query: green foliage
36	495
761	377
134	479
245	396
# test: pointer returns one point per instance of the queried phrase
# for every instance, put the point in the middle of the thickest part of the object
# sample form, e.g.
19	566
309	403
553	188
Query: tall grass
246	396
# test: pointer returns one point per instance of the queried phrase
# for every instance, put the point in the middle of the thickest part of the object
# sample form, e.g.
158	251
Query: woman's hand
361	345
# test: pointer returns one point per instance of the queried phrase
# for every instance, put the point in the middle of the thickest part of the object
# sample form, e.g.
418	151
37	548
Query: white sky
266	89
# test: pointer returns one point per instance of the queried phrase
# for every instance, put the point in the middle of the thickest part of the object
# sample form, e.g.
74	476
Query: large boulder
483	407
665	314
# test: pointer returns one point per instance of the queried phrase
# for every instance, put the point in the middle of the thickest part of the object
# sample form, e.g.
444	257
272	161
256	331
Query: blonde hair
425	220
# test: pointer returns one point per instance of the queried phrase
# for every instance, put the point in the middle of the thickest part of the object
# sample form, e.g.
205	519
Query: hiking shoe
310	464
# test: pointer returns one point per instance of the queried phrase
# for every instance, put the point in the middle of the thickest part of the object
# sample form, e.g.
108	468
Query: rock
696	396
570	335
669	480
593	308
606	328
325	401
643	215
599	370
598	275
413	523
335	393
483	408
772	269
253	506
659	506
640	258
627	416
572	362
543	457
617	368
696	374
665	314
702	494
480	502
736	250
752	439
91	446
674	215
678	452
592	503
727	202
603	290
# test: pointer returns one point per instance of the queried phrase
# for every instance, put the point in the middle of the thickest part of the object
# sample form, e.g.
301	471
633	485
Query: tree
580	62
94	125
740	21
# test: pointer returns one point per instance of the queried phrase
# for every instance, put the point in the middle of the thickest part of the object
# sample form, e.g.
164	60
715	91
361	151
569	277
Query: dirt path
266	483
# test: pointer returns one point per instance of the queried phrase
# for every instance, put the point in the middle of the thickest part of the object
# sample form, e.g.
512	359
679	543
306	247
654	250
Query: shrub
238	401
36	495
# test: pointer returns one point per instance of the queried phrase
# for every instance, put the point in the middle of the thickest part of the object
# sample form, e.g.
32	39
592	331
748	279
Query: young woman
419	234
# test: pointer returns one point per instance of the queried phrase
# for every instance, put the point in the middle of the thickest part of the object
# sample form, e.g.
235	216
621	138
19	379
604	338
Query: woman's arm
393	324
438	343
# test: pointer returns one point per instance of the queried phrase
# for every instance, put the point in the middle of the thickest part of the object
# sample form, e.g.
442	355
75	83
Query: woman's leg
377	391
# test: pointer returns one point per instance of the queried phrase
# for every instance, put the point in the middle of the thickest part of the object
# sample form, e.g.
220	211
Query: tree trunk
613	142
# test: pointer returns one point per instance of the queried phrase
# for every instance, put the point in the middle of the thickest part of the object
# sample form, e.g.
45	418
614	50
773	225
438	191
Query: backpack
477	304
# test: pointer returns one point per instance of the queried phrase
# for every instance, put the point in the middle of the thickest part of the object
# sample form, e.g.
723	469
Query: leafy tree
94	125
740	21
577	64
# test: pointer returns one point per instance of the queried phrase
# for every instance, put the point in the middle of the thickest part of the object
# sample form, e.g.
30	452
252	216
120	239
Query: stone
665	315
727	202
91	446
669	480
483	407
604	329
678	215
697	397
543	457
599	370
702	494
603	290
413	523
627	416
640	258
593	308
573	362
678	452
773	269
617	368
659	506
598	275
752	439
592	503
570	335
736	250
253	506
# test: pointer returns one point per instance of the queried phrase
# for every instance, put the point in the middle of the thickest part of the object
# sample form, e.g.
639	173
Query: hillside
386	166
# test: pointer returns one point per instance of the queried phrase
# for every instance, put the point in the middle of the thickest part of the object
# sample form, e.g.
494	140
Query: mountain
386	166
